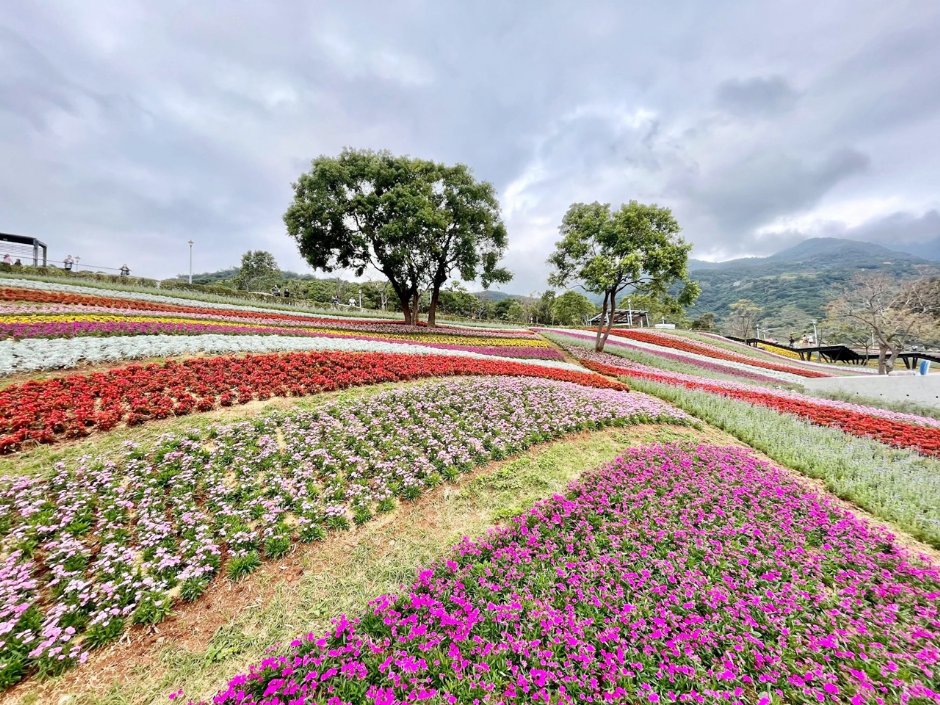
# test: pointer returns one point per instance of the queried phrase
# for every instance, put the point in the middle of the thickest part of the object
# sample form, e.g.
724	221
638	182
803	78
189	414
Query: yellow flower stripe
532	342
779	351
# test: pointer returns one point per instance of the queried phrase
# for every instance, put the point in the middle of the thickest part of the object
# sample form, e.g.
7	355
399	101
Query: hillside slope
794	285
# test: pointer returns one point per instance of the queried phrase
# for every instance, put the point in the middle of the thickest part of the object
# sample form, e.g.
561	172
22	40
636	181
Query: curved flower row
893	428
77	296
677	343
103	325
73	406
31	354
706	364
107	542
39	313
672	575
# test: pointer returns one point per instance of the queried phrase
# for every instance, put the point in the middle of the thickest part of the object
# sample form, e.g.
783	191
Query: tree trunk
882	353
432	308
895	354
603	334
405	302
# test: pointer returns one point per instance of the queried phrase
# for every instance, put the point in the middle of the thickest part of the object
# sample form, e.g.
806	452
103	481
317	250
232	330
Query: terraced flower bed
104	543
902	430
673	575
75	405
670	341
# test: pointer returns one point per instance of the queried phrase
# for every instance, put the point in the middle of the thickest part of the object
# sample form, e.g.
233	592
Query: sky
129	128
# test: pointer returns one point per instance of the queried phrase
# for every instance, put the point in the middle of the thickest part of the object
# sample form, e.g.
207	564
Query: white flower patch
33	354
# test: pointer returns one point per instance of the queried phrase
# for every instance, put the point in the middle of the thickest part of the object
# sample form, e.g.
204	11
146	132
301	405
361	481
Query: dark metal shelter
23	245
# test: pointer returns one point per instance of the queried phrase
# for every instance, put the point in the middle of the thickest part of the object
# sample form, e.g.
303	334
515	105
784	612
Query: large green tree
571	308
416	221
258	270
637	247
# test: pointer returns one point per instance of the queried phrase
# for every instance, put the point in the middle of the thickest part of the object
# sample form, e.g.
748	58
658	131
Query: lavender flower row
106	542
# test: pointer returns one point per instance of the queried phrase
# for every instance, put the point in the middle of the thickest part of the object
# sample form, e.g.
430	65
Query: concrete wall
923	390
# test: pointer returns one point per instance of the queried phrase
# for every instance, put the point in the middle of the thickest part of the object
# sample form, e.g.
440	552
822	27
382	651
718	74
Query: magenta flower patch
672	575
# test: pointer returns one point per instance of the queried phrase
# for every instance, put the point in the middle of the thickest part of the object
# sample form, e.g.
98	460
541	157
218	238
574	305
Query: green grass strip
896	485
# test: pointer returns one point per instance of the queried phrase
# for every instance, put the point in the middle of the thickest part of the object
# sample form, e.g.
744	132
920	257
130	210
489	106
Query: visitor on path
286	293
275	291
125	271
17	263
792	340
334	302
7	259
67	263
352	302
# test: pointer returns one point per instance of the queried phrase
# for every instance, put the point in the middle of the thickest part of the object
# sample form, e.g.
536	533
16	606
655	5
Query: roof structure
21	243
626	317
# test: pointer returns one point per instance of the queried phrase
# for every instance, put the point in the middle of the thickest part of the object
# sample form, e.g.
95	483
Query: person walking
7	259
125	271
67	263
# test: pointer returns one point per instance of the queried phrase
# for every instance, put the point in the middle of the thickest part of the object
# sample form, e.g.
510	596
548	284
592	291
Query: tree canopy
415	221
258	270
637	247
571	308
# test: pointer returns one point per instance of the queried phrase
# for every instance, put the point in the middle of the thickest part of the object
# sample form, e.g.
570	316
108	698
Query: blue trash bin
924	367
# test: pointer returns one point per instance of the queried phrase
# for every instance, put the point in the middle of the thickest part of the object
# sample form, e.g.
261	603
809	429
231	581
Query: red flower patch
74	405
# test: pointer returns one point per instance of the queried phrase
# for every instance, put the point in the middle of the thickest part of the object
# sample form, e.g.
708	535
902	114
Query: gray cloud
756	96
129	128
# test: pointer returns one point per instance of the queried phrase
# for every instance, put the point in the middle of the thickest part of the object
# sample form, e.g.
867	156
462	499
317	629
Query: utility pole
360	298
629	312
815	334
190	261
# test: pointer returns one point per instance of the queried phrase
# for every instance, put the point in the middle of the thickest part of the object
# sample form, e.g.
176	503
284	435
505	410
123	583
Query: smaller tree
893	313
572	308
510	310
743	318
258	271
637	247
705	322
544	311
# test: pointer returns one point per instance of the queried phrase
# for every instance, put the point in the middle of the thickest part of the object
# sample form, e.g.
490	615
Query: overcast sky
128	128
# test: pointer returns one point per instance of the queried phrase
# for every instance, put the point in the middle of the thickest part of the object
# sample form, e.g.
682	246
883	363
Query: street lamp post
815	334
360	298
190	261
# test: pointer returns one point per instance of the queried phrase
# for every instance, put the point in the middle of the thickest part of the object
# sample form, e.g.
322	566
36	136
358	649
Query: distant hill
794	285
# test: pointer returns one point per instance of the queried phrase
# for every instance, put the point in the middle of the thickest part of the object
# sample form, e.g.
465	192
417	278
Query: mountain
794	285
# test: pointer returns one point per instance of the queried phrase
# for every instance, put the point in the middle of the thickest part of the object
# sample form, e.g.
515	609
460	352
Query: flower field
673	575
897	429
688	571
75	405
110	542
712	351
70	321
